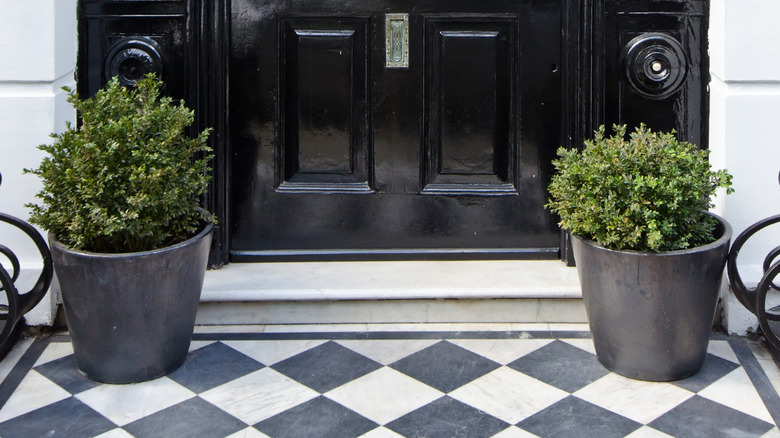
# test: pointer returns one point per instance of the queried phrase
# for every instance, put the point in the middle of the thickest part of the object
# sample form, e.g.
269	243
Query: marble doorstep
387	380
408	280
392	292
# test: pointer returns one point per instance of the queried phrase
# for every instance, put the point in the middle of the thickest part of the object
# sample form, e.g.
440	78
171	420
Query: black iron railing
755	298
14	305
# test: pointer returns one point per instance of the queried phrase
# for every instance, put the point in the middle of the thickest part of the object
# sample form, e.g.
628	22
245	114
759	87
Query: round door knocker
655	64
131	59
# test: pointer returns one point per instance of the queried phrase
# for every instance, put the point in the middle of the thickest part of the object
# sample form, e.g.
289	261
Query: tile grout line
21	369
758	377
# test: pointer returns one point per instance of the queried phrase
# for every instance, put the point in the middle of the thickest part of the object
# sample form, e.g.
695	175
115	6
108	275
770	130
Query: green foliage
646	193
129	178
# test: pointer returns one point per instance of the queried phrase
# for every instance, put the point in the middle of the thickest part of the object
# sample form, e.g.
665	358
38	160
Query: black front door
401	128
395	128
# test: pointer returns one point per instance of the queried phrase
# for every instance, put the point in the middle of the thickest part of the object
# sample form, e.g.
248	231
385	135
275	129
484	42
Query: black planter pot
131	316
651	314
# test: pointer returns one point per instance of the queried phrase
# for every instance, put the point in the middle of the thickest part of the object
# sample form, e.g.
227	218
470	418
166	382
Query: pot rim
54	242
722	240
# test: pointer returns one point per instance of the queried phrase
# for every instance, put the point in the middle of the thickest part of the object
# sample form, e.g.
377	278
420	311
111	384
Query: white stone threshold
370	293
403	280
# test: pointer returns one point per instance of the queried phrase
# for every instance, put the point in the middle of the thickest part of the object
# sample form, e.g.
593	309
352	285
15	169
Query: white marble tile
249	432
115	433
514	432
503	351
384	395
381	432
640	401
271	352
54	351
508	395
387	351
736	391
124	404
647	432
722	349
259	395
194	345
34	392
582	344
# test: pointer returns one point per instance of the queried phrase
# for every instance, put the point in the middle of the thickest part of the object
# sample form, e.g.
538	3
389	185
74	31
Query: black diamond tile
700	417
64	372
561	365
574	417
194	417
447	418
68	418
445	366
714	368
212	365
326	366
320	417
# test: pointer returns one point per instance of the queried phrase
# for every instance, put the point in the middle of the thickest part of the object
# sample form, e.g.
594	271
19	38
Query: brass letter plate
397	41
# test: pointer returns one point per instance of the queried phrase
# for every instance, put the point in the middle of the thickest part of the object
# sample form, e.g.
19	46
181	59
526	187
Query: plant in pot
649	256
120	200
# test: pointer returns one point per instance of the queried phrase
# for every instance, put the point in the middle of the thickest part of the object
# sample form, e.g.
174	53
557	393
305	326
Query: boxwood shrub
129	177
646	192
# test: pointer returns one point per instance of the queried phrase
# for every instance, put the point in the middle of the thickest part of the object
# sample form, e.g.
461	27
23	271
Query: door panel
324	118
335	155
470	120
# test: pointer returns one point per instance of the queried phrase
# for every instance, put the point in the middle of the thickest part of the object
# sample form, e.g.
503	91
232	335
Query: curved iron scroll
20	303
755	299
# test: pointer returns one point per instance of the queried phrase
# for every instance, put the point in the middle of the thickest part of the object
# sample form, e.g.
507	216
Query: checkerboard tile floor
467	384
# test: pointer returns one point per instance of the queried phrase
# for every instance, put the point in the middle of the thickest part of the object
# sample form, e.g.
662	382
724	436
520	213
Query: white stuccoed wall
37	57
38	52
744	122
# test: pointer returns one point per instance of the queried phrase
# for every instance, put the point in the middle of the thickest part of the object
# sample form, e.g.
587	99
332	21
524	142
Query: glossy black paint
685	108
324	153
372	158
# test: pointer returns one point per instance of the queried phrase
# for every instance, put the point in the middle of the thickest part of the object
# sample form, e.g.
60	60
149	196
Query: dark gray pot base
651	314
131	316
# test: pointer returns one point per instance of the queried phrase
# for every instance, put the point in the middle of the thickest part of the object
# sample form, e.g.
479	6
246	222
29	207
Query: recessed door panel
324	118
470	89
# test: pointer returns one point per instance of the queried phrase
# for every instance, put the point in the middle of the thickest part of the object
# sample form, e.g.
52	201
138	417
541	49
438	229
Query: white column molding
745	97
38	51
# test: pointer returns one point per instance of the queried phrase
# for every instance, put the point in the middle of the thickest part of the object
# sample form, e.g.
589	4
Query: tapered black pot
651	314
131	316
